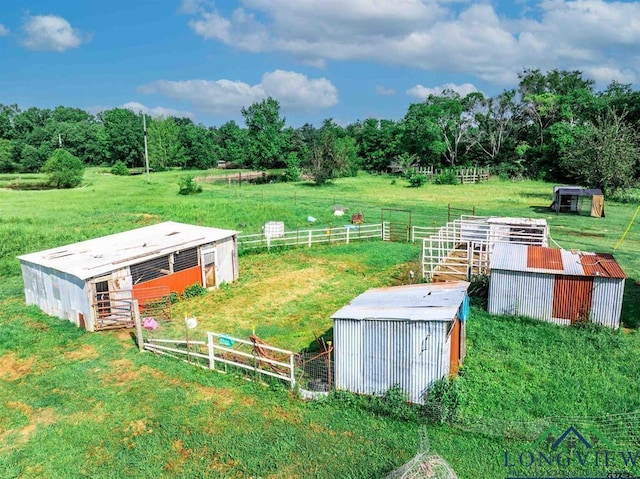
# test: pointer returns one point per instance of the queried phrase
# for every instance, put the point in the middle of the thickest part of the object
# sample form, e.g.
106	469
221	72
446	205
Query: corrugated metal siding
509	256
606	305
227	265
347	340
544	258
371	356
521	293
571	262
56	294
572	297
601	264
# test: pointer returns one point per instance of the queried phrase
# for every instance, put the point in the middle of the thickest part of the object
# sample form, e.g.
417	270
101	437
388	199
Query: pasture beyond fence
342	234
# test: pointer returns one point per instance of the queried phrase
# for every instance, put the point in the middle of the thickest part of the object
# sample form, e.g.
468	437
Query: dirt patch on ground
13	368
16	437
282	414
83	352
180	456
121	372
146	219
139	427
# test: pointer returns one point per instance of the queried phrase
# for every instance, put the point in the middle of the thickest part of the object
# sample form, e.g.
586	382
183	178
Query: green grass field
76	404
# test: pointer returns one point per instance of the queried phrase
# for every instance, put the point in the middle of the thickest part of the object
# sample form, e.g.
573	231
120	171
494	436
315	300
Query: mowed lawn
76	404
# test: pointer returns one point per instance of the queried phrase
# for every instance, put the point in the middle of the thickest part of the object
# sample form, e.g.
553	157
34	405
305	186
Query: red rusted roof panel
601	264
541	257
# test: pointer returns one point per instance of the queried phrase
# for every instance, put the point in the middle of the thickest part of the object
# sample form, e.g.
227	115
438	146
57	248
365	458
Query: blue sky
340	59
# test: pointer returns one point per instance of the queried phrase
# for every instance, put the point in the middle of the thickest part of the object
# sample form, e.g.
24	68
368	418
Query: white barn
93	283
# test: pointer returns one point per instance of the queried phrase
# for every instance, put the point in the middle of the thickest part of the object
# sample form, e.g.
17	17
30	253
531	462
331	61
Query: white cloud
4	31
434	35
295	92
157	111
380	90
423	92
51	33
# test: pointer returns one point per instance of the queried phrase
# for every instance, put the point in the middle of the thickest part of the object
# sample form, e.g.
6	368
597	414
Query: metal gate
396	225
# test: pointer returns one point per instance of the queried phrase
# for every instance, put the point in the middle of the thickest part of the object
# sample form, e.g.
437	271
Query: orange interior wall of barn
175	282
456	350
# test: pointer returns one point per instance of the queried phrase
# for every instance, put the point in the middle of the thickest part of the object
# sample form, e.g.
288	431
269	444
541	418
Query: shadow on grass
631	304
541	209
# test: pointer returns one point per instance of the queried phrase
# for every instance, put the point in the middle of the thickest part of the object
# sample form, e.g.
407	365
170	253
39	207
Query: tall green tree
165	148
233	143
7	164
603	154
123	136
377	143
266	140
331	155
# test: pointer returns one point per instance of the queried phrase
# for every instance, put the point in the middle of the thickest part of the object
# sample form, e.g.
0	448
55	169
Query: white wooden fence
221	352
342	234
310	237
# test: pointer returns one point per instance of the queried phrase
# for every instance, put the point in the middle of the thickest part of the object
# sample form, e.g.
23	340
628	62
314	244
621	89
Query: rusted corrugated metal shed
93	283
405	335
556	285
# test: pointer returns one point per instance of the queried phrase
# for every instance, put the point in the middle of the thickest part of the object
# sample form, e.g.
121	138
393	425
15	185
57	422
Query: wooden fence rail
465	175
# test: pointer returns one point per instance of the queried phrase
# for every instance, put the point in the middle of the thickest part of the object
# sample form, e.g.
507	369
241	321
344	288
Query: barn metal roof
576	191
416	302
99	256
540	259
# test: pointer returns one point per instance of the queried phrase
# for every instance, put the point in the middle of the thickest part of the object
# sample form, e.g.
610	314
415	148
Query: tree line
553	126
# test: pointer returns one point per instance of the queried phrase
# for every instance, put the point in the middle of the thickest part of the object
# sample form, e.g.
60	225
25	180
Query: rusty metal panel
544	258
606	303
572	298
521	293
601	264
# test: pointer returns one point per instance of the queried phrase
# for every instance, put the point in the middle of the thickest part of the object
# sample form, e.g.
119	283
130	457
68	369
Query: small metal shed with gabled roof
93	283
408	336
568	198
556	285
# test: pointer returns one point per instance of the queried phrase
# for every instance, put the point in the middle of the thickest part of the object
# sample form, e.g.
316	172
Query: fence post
293	376
136	318
348	235
212	357
309	244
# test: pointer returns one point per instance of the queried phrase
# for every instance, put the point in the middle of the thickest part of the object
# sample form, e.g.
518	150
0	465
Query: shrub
194	290
479	289
64	169
120	169
188	186
442	401
417	180
448	177
292	173
392	403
